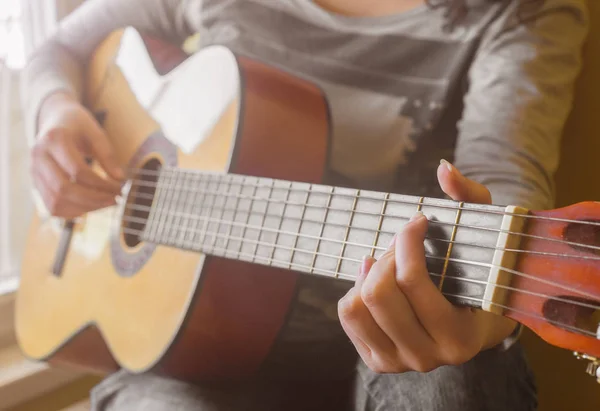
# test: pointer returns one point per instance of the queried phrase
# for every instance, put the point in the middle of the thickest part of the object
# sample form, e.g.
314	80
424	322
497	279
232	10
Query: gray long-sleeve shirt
491	95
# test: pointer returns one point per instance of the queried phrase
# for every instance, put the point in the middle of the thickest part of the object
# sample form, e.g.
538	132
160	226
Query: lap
493	381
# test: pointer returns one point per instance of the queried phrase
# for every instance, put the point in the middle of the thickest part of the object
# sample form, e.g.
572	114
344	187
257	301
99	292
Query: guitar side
122	303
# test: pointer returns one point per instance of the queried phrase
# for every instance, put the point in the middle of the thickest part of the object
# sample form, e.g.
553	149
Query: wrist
51	103
497	330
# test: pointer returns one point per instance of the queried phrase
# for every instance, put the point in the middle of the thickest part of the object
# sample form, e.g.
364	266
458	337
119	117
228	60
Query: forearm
59	64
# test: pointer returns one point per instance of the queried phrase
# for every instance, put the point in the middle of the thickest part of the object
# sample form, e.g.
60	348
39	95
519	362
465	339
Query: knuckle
349	307
54	135
424	365
456	355
386	365
62	188
407	275
53	205
373	293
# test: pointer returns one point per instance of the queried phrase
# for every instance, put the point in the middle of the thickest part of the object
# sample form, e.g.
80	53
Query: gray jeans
492	381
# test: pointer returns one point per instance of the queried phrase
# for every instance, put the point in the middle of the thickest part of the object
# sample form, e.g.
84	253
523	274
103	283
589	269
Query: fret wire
201	218
383	208
350	277
150	226
211	208
482	228
420	204
199	205
370	230
165	215
233	213
219	223
287	196
452	238
188	180
176	222
339	263
204	205
247	217
300	224
314	260
498	209
264	215
466	262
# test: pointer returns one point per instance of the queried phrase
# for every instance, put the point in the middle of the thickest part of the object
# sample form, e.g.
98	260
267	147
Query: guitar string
302	235
362	212
137	207
350	259
574	329
200	174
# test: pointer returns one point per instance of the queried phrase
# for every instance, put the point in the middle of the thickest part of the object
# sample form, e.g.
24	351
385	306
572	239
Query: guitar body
116	303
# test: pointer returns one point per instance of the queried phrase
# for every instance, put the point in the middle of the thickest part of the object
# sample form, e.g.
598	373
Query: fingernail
447	164
363	265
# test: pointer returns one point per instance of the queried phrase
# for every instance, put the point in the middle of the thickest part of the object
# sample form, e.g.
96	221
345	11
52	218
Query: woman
485	83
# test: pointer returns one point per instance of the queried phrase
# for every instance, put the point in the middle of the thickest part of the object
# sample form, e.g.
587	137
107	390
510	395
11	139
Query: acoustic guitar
192	273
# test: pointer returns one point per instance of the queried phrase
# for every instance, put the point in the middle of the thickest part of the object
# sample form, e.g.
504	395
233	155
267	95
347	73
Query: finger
365	267
432	309
51	200
358	323
394	315
100	147
67	193
460	188
71	161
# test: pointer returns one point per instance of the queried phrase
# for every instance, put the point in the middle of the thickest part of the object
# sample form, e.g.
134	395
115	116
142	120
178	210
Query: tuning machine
593	366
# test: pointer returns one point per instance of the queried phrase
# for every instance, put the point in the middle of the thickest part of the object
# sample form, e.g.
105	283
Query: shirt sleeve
59	63
521	88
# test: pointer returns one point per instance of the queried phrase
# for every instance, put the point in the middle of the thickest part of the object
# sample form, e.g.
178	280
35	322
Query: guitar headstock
556	281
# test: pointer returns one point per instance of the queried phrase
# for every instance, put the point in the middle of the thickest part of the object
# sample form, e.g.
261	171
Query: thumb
98	143
460	188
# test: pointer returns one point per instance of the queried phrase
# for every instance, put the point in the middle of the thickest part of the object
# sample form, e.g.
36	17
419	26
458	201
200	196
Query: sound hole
585	234
139	201
574	314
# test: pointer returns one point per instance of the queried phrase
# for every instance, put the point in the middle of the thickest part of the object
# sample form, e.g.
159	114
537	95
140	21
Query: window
12	50
12	58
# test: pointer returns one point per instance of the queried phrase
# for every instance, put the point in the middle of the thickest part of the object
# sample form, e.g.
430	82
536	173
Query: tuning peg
593	366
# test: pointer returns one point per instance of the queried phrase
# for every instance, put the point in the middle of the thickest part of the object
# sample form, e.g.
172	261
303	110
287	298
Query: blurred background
24	24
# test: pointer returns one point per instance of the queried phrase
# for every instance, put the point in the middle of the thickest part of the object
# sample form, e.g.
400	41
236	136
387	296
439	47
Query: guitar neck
324	230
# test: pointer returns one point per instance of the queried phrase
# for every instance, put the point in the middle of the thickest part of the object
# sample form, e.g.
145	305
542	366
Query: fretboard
319	229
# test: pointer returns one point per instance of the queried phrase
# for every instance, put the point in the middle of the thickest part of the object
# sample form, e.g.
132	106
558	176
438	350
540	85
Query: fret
210	209
175	215
236	200
279	226
321	231
188	188
263	215
165	206
224	183
300	225
151	225
378	229
420	204
471	277
199	205
254	187
450	244
347	232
